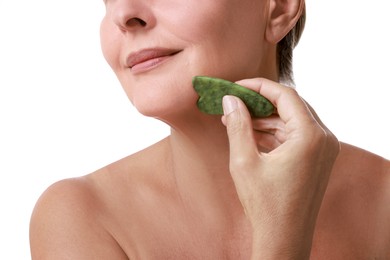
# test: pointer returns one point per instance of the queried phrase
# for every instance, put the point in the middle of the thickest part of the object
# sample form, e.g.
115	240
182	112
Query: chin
155	95
163	106
150	111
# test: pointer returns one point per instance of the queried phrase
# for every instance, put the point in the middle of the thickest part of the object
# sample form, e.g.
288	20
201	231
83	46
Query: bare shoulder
356	208
78	218
365	160
364	171
65	224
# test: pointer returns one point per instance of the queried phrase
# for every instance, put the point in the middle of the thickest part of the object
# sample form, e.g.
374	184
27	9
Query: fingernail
229	104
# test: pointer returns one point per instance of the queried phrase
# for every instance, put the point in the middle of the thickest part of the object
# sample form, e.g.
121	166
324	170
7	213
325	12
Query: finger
272	124
239	128
290	106
266	142
265	124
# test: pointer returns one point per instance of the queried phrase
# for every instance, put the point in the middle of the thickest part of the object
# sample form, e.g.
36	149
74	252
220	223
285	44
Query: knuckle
318	136
325	140
333	143
290	91
241	164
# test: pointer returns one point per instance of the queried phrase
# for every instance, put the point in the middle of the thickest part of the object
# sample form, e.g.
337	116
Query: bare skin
137	210
187	205
282	187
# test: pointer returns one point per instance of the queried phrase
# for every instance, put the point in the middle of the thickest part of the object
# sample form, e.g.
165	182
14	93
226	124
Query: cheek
192	30
109	45
225	37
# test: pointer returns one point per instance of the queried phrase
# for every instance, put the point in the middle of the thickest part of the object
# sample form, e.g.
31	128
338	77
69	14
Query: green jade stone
212	90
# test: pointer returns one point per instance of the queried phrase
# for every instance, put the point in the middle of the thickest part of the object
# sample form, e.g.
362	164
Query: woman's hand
280	166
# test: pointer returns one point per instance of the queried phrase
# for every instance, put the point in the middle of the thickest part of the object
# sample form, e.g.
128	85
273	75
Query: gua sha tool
211	91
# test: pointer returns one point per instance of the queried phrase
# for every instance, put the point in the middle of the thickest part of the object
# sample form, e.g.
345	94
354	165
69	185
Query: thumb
239	129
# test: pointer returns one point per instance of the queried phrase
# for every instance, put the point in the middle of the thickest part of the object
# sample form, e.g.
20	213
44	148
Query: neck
200	161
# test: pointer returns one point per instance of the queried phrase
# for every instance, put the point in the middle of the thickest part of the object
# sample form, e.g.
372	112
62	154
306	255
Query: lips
148	58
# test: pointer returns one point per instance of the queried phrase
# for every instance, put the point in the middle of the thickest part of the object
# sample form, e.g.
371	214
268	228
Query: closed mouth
149	56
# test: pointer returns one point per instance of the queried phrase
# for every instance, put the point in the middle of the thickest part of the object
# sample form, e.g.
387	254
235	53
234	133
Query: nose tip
130	18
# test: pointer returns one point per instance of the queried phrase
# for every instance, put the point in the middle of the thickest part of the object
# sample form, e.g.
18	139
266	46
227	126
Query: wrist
282	241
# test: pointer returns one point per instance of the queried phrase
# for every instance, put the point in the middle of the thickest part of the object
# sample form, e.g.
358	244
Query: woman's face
155	47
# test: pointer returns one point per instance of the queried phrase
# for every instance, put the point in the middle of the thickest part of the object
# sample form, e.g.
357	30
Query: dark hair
285	50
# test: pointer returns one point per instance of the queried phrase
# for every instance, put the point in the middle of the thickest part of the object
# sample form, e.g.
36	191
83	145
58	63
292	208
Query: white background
63	113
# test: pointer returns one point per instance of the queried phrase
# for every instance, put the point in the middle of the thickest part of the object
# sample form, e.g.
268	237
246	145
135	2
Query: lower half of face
210	39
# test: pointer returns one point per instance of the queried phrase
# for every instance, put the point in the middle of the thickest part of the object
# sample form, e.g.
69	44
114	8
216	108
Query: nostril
135	21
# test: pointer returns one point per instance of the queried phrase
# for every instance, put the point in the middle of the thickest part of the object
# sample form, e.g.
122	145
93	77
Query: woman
272	188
